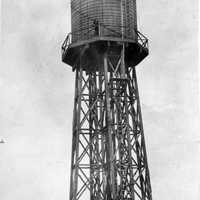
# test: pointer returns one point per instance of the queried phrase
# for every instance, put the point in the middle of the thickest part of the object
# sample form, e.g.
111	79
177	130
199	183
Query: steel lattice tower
109	159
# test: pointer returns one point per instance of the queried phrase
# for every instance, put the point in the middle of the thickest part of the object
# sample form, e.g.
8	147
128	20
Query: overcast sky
36	99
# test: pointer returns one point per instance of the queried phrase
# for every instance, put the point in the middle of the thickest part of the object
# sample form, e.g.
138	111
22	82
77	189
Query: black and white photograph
99	100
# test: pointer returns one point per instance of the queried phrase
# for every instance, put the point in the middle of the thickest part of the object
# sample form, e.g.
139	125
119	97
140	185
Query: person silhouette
96	27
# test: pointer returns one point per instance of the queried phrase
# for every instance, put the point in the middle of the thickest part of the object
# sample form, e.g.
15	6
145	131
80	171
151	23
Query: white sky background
37	91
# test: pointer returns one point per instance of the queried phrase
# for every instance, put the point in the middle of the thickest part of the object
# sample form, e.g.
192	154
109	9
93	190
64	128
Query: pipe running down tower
109	159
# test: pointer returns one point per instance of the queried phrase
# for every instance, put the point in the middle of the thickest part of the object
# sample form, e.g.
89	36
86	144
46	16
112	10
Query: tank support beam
109	160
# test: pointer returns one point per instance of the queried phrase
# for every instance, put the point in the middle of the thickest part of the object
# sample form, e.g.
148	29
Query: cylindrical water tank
104	18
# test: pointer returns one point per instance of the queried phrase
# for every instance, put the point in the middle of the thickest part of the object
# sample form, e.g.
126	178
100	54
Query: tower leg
109	160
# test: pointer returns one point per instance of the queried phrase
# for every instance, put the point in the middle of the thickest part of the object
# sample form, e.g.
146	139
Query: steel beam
109	159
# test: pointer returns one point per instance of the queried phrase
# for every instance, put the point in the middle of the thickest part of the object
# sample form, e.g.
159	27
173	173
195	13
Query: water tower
109	159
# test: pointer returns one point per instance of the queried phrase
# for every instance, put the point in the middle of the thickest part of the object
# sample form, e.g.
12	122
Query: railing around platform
98	31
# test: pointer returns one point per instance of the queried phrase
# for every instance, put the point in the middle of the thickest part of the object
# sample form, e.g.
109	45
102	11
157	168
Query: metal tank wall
113	17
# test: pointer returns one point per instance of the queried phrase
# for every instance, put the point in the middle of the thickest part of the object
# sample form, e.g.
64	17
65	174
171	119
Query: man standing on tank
96	27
